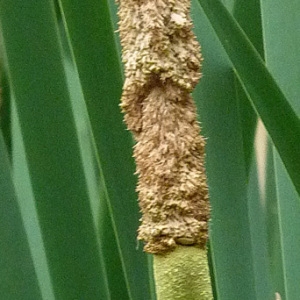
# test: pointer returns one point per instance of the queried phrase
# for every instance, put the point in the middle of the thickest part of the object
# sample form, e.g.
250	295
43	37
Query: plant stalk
162	62
182	274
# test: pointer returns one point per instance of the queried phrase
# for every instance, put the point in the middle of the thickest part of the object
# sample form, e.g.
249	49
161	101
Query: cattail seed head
162	66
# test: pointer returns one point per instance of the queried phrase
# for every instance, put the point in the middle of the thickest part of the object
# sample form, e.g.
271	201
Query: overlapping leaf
279	118
37	79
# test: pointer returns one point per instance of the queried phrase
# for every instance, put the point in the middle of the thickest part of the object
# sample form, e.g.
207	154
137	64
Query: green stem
182	274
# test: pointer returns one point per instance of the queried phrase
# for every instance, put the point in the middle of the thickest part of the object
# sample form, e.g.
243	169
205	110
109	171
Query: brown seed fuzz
162	62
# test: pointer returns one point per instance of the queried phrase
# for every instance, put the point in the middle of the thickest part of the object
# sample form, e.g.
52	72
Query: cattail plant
68	216
162	66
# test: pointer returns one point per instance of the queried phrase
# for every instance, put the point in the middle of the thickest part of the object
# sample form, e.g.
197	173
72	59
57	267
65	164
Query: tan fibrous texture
162	66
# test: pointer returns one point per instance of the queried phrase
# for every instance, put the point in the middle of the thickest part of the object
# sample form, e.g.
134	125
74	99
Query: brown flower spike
162	61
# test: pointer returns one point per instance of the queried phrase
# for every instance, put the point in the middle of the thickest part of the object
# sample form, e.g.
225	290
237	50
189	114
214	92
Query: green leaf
282	41
281	22
230	234
17	275
5	109
27	206
289	212
37	79
259	210
248	16
278	116
264	211
89	23
262	200
248	119
101	214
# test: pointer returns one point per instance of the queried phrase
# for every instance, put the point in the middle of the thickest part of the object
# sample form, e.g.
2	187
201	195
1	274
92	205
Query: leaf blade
18	277
279	18
216	99
100	75
279	118
43	104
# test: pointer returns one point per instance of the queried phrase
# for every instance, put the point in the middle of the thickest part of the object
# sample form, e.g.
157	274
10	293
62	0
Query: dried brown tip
162	61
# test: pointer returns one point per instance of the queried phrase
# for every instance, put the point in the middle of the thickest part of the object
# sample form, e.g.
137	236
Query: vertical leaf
27	206
52	149
230	238
278	116
17	275
281	23
94	175
248	16
5	109
98	65
258	213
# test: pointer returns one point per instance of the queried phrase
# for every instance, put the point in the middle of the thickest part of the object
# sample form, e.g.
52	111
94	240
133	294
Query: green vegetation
69	210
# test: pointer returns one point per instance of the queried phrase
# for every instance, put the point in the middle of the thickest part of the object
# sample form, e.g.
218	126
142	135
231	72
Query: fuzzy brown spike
162	62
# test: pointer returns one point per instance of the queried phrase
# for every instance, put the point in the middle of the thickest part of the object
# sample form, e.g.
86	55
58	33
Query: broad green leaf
273	222
102	218
248	119
279	118
281	22
17	274
258	213
266	233
27	206
230	235
247	13
89	23
289	217
37	79
5	110
260	184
